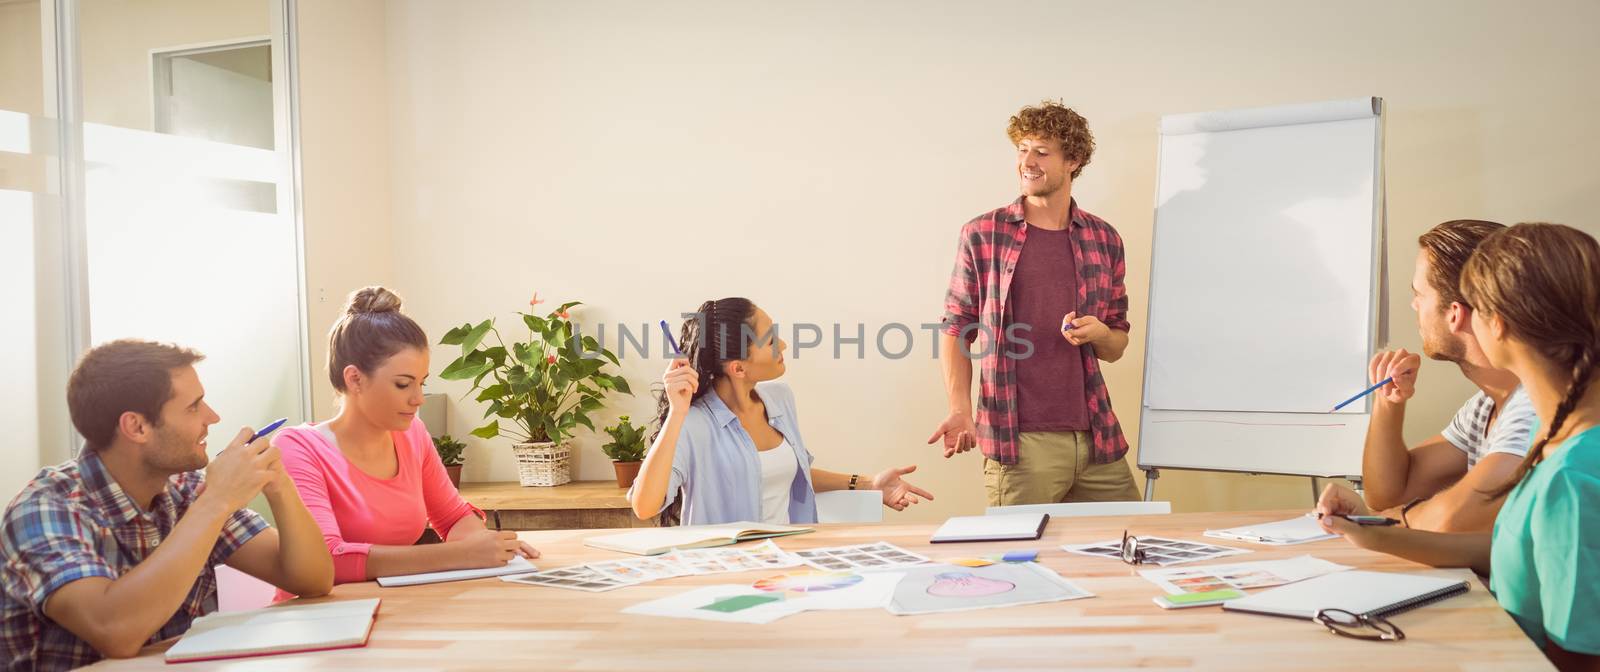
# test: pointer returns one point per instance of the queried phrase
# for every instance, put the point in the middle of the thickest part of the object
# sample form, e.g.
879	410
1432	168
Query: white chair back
850	506
1077	509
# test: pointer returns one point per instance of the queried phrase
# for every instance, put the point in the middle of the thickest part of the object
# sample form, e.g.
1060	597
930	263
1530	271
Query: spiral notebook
1363	593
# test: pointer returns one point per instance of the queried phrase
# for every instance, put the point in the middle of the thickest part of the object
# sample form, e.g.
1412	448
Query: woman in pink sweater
370	476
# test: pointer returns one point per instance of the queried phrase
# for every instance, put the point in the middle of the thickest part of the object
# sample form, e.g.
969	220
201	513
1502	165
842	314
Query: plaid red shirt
74	522
975	308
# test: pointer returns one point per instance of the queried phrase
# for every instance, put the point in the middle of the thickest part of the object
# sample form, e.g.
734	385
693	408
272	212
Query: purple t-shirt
1044	288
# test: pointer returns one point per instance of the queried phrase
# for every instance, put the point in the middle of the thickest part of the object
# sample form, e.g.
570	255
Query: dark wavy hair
721	331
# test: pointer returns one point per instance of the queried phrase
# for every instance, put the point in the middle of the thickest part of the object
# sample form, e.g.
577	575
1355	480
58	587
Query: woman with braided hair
728	445
1536	288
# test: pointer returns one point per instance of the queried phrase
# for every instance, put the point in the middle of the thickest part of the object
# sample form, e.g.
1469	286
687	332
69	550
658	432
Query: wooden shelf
512	496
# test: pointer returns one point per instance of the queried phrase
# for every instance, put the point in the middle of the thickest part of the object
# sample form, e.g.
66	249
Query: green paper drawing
728	605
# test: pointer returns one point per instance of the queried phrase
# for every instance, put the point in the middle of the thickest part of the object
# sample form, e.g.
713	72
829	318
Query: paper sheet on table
774	597
939	588
718	603
1300	530
1239	575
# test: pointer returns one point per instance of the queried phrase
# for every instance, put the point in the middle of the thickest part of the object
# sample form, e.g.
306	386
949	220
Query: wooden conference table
491	625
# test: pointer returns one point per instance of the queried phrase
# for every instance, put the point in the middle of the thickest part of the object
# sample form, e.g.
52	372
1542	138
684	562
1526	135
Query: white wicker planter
543	464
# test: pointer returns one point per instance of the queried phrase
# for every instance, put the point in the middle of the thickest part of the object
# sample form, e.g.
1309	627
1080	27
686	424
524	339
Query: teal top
1545	559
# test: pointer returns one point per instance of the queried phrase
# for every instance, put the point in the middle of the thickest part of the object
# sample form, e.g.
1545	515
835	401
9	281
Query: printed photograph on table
770	556
1241	576
737	560
767	555
572	578
880	555
637	571
1157	550
695	562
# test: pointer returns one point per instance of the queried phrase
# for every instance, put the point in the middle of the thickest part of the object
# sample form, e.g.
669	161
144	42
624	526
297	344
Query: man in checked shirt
1037	286
114	549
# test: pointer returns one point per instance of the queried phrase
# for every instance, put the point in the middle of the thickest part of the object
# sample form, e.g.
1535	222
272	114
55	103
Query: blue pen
266	430
668	332
1367	391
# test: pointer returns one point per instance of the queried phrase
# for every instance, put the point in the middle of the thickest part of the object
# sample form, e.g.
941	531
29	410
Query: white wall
21	91
819	158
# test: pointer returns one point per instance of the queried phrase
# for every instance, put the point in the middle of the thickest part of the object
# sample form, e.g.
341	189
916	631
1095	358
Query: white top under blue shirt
778	467
1512	432
717	465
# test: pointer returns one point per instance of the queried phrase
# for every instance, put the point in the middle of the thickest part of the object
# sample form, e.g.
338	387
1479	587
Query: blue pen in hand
266	430
667	331
1368	391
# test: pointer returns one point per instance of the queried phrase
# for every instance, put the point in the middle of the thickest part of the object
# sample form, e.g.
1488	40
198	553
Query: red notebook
290	628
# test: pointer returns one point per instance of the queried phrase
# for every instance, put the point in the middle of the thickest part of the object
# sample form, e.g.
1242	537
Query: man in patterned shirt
1440	483
113	550
1038	286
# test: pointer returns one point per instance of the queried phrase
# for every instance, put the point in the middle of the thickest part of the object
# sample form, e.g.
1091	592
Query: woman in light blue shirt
729	447
1535	293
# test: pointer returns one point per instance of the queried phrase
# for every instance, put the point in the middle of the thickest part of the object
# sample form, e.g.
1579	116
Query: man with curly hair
1038	287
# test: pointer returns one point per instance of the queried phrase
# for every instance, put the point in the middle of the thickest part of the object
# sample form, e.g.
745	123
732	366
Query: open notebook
1363	593
277	630
658	540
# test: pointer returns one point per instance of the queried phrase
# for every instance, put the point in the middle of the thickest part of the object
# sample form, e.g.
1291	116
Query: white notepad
1301	530
277	630
1009	527
658	540
1358	592
518	565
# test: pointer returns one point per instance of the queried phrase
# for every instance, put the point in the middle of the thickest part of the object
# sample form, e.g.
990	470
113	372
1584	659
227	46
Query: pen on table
1368	391
1381	521
266	430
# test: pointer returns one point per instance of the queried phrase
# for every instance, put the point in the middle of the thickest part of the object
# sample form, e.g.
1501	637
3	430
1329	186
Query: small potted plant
453	454
626	450
539	390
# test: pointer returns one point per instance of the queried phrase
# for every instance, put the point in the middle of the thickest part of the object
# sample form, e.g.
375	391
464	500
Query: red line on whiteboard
1256	424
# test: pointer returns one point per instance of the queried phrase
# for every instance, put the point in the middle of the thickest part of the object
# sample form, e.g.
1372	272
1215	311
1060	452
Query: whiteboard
1264	286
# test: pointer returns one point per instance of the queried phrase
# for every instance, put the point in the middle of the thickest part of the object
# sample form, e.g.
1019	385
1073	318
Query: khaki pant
1055	467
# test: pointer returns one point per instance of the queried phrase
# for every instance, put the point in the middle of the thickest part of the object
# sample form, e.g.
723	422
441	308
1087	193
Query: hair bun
372	299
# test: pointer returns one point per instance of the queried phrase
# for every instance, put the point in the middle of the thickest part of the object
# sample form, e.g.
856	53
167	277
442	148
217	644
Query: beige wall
345	162
117	36
22	87
819	158
21	63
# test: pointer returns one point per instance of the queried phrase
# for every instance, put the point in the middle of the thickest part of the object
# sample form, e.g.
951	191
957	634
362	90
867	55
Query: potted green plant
453	454
626	450
539	390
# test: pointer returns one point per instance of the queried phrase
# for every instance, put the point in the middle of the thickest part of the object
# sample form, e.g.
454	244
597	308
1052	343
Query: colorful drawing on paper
965	584
733	603
808	582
